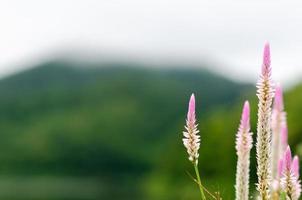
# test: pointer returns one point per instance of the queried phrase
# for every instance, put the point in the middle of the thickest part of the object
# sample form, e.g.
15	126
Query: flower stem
203	197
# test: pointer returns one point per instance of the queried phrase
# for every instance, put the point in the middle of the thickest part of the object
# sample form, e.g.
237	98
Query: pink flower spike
279	130
243	146
191	110
280	167
284	136
244	137
191	138
245	118
265	94
295	166
289	181
278	103
266	66
287	159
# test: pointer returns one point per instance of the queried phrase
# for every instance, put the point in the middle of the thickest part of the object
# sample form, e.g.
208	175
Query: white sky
229	33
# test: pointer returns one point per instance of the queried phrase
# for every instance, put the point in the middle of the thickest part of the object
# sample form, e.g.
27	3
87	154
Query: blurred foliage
114	131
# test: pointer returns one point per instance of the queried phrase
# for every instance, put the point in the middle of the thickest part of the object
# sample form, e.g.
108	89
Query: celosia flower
263	146
284	136
290	182
243	146
191	138
295	166
278	130
287	159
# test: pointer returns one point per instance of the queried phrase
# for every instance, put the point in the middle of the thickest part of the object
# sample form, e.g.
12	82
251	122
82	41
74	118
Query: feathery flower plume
263	147
295	166
296	190
287	159
243	146
191	138
284	136
278	130
290	182
191	141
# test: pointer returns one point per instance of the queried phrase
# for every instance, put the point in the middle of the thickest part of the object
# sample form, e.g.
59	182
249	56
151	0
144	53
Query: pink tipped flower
191	138
284	136
278	103
279	130
287	159
243	146
245	117
265	95
290	182
244	138
266	66
191	109
295	166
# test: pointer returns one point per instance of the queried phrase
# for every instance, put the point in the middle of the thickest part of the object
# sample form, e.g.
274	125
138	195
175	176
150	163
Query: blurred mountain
121	123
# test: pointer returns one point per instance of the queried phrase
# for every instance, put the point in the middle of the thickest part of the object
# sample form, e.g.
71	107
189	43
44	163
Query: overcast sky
227	33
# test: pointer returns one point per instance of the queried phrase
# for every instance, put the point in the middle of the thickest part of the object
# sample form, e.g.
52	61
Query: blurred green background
76	130
94	93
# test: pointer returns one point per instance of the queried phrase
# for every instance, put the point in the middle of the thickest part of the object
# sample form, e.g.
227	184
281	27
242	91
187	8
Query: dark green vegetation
73	131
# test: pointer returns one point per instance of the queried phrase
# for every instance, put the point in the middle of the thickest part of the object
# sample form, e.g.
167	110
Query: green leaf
283	196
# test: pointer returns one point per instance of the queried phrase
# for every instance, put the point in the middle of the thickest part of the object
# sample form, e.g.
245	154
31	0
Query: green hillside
112	122
80	118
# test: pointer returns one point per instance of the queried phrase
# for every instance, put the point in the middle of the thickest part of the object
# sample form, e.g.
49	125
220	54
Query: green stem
203	197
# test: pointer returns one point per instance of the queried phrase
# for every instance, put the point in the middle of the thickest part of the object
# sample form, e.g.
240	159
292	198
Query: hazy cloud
229	33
